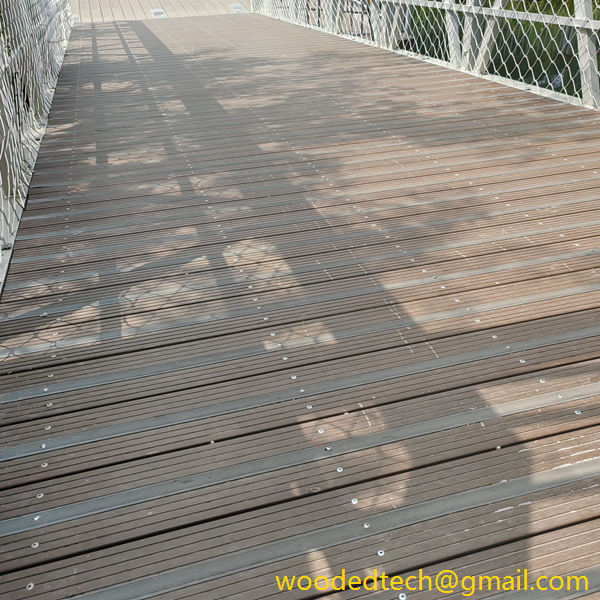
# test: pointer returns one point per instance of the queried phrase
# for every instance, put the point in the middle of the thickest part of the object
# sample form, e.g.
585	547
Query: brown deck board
234	534
105	11
254	254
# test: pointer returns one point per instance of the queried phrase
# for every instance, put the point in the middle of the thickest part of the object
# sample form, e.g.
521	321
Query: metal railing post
488	42
453	36
587	55
472	32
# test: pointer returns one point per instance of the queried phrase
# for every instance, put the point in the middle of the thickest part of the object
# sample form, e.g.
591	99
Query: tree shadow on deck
246	265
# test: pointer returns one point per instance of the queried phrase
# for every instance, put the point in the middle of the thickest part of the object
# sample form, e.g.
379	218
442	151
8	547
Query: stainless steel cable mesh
547	46
33	38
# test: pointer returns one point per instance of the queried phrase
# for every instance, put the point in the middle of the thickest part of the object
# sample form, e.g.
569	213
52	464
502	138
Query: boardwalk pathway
102	11
282	303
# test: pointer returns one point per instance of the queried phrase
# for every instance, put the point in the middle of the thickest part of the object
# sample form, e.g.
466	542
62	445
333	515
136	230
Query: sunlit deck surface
281	302
100	11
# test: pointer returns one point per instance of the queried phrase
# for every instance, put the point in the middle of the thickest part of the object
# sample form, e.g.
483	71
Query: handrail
549	47
33	39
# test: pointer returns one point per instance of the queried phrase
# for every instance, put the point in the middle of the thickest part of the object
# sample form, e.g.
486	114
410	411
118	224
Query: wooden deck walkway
102	11
283	304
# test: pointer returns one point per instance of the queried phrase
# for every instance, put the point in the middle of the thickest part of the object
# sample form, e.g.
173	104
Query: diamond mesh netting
33	38
547	46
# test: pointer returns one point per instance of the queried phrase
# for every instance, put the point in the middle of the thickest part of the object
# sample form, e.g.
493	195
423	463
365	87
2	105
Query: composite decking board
237	109
548	553
241	420
41	473
334	197
465	231
348	350
309	220
500	306
188	419
229	423
220	499
485	470
431	89
311	269
367	277
103	12
583	506
118	13
268	146
352	184
474	94
358	191
436	325
480	193
318	439
432	83
262	267
332	205
374	202
98	448
298	338
237	141
540	414
316	382
568	513
328	123
145	333
78	199
92	424
263	280
139	376
272	464
237	173
153	336
363	111
130	379
253	171
353	221
48	215
239	164
240	156
151	313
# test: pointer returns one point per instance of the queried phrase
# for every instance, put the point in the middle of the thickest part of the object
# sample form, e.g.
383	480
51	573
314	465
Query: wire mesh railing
33	38
547	46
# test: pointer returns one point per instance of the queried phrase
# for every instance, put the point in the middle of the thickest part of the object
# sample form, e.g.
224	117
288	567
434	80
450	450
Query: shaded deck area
283	304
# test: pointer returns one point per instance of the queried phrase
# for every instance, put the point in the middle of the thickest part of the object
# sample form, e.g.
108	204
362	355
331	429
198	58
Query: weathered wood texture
264	271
